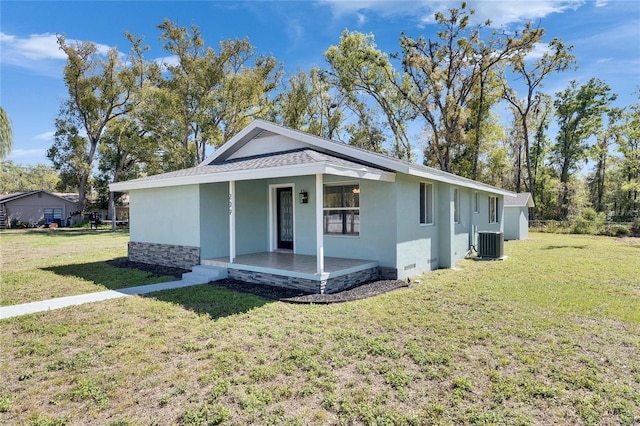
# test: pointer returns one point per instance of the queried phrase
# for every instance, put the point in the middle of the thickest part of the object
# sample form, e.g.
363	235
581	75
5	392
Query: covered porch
286	269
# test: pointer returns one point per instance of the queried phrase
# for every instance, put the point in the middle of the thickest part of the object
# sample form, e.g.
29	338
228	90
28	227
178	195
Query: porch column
232	221
319	230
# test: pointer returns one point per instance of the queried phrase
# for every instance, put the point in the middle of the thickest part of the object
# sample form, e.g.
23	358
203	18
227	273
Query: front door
284	215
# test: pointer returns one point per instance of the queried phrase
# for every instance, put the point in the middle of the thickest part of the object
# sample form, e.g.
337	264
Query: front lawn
39	264
549	336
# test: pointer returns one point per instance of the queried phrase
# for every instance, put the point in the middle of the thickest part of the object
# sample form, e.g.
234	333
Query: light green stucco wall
214	220
378	231
165	215
417	244
516	225
252	218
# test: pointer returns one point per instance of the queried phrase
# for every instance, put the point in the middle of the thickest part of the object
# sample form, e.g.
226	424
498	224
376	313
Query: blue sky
605	35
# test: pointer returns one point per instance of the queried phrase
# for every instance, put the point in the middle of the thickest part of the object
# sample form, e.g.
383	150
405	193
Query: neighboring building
516	216
280	206
36	207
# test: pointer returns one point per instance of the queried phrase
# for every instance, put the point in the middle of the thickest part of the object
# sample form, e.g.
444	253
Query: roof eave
266	173
458	181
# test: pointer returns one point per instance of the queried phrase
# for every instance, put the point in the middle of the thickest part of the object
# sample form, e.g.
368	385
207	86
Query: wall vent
490	245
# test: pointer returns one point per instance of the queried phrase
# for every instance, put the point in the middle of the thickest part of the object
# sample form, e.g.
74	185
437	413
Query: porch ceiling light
304	197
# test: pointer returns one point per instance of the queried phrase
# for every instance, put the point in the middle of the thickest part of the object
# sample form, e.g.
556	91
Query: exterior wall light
304	197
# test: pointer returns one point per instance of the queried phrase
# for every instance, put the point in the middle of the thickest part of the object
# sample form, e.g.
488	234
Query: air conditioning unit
490	245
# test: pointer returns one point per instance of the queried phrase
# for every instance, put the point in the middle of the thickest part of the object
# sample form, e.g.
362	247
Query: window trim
426	201
342	209
456	205
493	204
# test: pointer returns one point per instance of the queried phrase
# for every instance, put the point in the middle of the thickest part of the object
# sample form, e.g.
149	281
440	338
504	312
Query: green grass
42	264
549	336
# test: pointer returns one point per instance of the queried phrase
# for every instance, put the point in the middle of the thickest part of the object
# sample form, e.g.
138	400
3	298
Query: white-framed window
476	202
341	205
426	203
493	209
456	205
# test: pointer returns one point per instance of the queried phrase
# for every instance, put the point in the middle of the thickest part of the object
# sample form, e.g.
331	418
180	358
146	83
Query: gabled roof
522	199
5	198
310	155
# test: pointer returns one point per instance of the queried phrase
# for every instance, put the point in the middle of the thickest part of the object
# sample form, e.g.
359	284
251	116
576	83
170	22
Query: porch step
213	262
202	274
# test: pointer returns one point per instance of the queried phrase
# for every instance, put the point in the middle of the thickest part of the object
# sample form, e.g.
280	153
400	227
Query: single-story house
516	216
36	207
279	206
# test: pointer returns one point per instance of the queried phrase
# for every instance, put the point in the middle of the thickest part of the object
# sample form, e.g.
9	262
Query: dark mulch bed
269	292
158	270
289	295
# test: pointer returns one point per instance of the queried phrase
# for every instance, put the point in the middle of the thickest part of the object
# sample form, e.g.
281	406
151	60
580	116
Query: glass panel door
285	218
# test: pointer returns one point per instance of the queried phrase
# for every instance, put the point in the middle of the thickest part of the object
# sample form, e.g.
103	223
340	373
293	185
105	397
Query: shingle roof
323	156
522	199
5	198
294	157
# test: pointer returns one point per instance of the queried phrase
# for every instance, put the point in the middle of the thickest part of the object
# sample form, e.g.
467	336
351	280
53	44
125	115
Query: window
456	205
476	203
51	214
493	209
426	203
342	209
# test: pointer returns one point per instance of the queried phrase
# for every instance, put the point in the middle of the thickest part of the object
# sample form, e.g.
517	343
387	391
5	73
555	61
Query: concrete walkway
63	302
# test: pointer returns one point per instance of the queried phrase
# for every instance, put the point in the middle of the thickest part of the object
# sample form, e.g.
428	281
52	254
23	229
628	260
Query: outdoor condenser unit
490	245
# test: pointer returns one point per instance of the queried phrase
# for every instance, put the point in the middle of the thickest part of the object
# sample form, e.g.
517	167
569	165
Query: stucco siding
305	216
445	225
166	215
516	225
462	229
483	214
417	250
378	235
214	220
252	218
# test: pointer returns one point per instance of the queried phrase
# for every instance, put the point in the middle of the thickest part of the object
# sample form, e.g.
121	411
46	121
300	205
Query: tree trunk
82	190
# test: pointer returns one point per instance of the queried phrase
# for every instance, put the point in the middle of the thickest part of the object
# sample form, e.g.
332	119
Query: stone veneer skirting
184	257
330	285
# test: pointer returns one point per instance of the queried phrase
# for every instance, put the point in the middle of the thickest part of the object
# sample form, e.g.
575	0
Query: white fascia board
360	173
455	180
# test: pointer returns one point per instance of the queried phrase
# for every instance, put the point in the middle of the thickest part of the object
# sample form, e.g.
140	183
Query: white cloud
33	51
500	13
539	49
167	61
516	11
33	155
46	136
35	47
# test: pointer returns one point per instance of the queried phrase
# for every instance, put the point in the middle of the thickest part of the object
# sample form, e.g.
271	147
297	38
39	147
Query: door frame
273	214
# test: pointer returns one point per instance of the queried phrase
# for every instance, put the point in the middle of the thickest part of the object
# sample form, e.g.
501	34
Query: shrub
617	231
582	226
